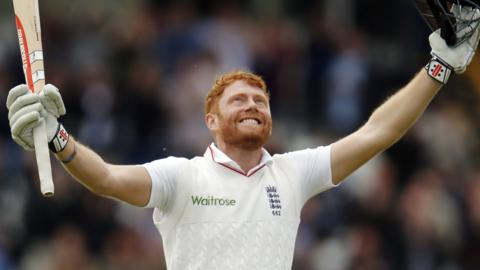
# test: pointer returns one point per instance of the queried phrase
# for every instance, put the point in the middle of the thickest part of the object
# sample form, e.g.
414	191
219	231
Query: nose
251	105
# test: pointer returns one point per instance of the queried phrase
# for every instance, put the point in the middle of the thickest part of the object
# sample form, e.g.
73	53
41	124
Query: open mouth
250	121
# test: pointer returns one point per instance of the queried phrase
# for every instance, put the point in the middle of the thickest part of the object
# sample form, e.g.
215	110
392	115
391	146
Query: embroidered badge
274	200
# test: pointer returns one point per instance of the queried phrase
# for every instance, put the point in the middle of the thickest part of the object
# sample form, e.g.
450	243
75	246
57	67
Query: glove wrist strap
60	140
438	70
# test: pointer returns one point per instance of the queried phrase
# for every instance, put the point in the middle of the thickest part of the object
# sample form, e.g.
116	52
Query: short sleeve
314	169
164	174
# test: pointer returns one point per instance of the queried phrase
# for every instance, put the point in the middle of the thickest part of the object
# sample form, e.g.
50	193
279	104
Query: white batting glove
446	59
26	111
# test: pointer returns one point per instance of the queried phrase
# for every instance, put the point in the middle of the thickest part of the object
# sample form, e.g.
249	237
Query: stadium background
133	75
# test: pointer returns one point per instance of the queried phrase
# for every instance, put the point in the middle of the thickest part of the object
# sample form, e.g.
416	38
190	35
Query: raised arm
131	184
128	183
385	126
392	119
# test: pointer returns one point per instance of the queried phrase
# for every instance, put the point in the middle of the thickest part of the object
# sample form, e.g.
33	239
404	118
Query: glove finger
436	40
476	38
469	14
51	124
29	120
467	20
27	146
460	11
55	95
25	137
465	12
53	100
467	28
37	107
15	92
476	33
473	44
23	101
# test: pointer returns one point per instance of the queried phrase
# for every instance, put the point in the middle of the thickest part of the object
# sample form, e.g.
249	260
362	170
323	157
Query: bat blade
27	19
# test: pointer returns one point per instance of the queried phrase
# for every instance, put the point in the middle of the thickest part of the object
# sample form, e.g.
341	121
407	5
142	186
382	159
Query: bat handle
43	160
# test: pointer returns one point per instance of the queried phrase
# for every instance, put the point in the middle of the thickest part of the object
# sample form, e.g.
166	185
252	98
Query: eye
237	99
261	102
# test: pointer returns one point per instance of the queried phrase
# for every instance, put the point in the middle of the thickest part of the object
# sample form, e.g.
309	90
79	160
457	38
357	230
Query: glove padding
26	110
457	58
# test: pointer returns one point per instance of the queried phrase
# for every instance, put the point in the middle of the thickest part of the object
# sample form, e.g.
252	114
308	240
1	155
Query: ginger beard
245	136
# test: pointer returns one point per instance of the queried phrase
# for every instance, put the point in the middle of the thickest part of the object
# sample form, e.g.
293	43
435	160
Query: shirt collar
216	155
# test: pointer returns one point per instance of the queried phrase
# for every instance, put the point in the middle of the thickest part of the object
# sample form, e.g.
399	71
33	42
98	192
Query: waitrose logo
212	201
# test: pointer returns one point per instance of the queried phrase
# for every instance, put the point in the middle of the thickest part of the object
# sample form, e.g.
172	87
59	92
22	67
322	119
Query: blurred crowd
133	75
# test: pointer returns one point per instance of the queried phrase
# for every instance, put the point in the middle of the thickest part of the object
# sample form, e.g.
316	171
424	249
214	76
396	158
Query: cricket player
237	207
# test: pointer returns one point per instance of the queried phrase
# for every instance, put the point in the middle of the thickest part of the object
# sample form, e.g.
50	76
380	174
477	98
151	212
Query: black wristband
71	156
60	140
438	70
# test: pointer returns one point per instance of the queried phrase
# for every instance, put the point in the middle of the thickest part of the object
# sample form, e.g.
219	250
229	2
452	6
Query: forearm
385	126
392	119
86	167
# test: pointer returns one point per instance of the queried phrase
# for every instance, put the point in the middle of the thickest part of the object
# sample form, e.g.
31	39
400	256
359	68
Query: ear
211	121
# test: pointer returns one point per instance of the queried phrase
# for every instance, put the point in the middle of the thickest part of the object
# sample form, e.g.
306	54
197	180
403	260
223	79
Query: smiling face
242	118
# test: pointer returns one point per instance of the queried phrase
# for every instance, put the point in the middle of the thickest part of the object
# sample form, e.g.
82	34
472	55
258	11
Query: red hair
211	101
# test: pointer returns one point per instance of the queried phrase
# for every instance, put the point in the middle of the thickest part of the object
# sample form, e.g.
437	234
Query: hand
26	111
459	57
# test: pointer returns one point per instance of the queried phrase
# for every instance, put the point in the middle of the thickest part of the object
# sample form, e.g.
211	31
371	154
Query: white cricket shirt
213	215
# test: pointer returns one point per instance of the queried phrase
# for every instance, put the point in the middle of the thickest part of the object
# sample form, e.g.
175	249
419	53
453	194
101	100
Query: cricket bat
27	18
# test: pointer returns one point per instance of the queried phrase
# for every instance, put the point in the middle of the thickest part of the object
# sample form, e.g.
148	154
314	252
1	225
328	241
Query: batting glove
446	59
26	111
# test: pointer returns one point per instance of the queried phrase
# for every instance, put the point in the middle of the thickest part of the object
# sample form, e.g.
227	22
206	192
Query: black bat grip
447	33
